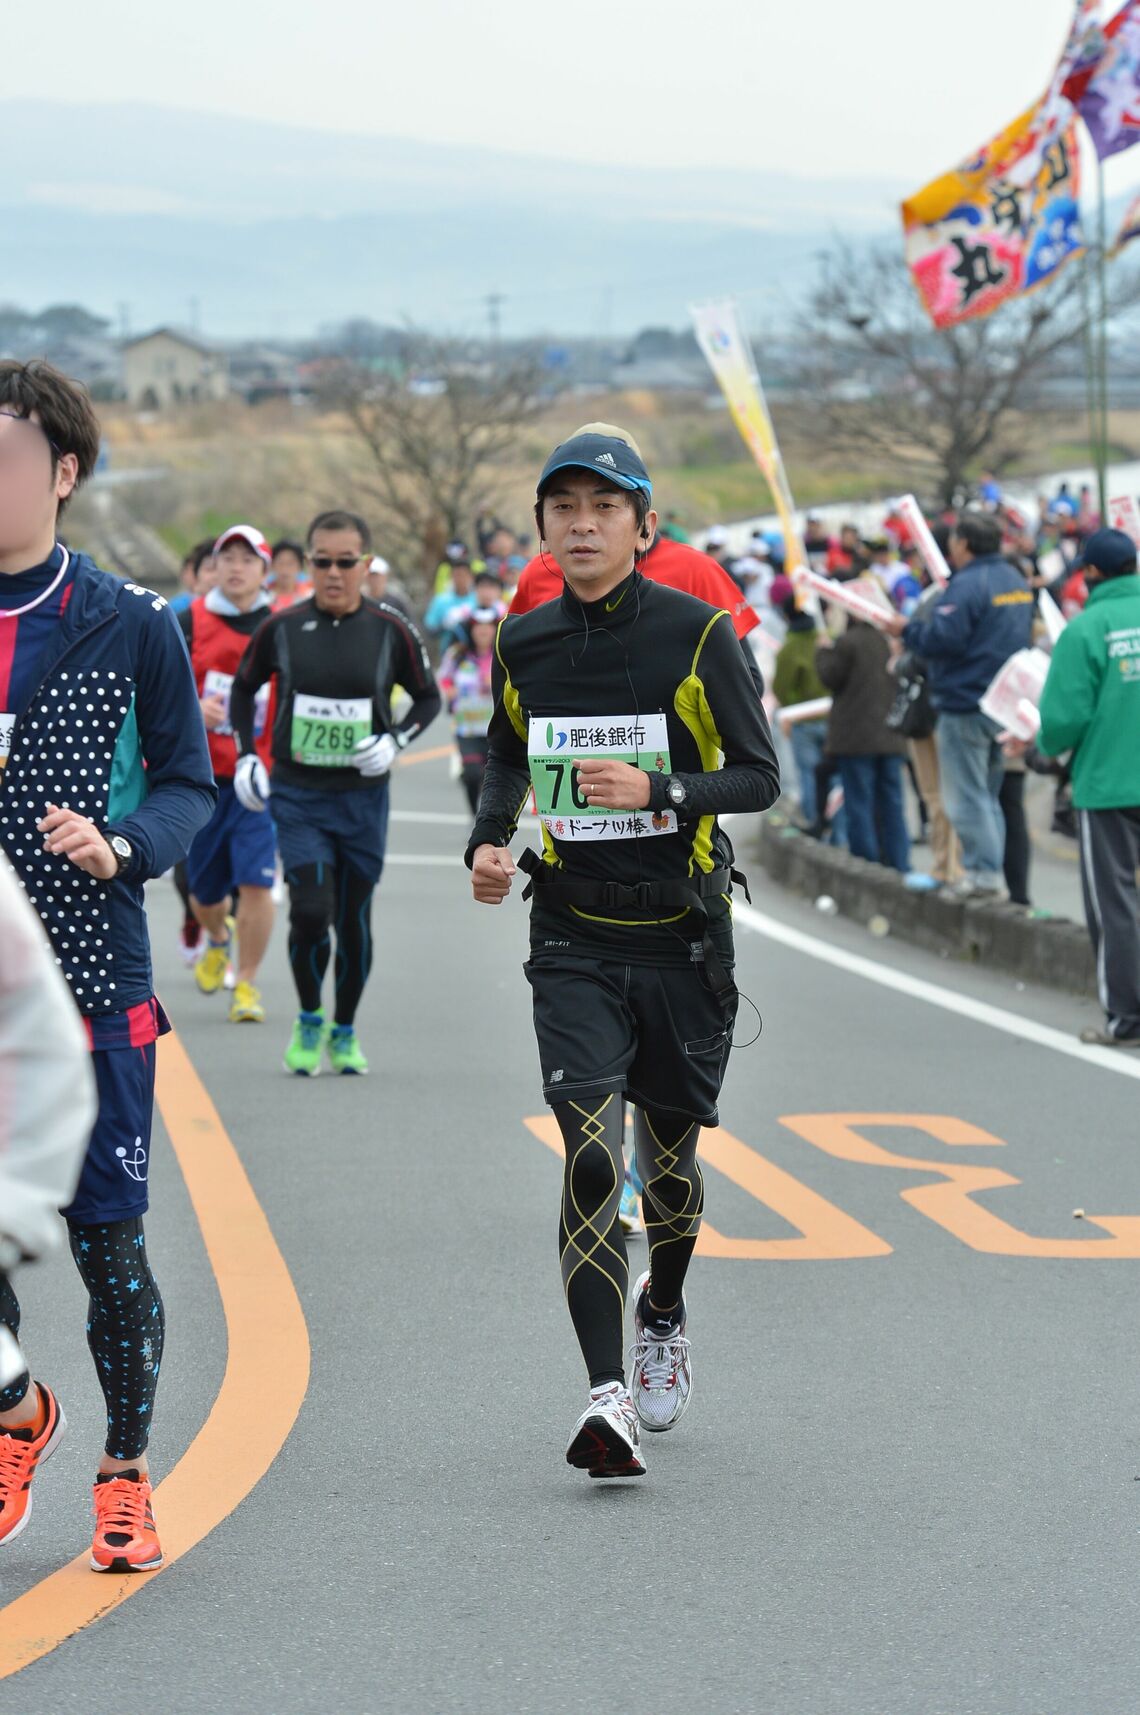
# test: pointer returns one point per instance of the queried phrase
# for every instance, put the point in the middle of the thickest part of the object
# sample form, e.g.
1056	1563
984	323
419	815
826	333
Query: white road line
433	859
448	818
438	818
1123	1060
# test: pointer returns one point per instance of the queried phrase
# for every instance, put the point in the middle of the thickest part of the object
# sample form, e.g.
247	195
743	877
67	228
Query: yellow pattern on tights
665	1225
588	1241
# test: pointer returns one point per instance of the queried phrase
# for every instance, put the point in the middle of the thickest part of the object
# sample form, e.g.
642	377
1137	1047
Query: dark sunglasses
343	563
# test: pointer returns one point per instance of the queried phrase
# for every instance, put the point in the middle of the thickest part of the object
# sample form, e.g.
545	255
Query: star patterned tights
125	1329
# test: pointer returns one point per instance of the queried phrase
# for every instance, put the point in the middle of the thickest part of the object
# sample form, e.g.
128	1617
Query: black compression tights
321	898
125	1329
595	1272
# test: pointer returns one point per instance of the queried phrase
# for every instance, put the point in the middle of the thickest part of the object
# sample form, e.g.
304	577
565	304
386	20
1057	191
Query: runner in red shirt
666	562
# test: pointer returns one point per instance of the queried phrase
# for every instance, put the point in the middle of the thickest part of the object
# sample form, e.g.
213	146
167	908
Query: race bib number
217	684
7	727
472	716
325	729
563	808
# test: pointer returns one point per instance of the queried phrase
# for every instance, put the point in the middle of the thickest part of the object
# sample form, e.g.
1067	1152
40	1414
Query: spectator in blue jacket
106	779
965	634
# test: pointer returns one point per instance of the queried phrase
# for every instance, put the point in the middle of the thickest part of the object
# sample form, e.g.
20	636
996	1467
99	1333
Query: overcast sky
852	87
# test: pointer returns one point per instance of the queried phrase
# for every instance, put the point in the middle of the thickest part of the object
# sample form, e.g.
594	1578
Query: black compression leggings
321	899
126	1327
595	1272
473	763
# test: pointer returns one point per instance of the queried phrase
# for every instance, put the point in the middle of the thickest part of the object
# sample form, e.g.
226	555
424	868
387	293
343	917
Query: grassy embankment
277	466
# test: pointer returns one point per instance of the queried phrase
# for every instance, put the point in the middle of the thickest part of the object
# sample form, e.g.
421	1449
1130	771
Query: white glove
251	783
375	755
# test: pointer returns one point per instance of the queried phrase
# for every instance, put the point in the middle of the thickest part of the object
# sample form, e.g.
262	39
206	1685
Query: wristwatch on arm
123	850
675	792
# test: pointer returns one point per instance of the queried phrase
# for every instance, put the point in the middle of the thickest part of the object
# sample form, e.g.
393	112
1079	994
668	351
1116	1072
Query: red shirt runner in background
672	563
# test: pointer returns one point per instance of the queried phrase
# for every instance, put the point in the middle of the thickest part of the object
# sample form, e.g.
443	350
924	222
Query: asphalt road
909	1482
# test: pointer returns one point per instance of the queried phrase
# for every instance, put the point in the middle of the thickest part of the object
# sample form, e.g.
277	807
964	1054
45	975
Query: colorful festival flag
729	356
1007	219
1105	89
1003	223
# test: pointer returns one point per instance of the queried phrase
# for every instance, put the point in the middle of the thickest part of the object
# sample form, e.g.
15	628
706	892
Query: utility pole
494	302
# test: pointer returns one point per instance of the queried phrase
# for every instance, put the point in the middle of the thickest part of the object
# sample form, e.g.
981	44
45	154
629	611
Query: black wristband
658	797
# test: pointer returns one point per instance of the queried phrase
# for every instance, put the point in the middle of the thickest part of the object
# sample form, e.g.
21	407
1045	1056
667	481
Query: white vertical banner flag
730	358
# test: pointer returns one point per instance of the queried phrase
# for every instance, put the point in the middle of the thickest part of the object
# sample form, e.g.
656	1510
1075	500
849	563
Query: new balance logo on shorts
557	1077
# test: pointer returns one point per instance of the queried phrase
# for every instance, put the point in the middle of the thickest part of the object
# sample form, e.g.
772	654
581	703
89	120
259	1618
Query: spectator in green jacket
1091	706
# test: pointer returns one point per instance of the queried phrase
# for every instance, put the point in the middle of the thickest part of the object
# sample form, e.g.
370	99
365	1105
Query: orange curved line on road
265	1380
427	755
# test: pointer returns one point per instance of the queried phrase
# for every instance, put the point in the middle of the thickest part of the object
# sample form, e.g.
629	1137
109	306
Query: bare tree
937	404
435	420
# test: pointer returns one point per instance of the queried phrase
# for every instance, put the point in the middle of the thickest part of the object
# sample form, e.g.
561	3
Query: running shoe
125	1537
22	1452
191	941
210	971
303	1055
344	1050
661	1379
1105	1039
629	1210
246	1007
606	1440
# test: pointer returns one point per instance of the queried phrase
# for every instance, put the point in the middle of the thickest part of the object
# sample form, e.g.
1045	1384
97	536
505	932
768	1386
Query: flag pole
1102	338
1092	400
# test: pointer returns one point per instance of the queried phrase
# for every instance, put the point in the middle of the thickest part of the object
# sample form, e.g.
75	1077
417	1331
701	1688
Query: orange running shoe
125	1537
22	1451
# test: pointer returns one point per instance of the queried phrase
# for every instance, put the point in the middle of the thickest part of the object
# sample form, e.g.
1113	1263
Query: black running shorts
655	1032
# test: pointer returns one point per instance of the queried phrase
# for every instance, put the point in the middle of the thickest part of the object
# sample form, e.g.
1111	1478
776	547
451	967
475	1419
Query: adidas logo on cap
606	458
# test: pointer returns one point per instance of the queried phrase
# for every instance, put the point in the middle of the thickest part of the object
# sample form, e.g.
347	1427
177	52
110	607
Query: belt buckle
627	895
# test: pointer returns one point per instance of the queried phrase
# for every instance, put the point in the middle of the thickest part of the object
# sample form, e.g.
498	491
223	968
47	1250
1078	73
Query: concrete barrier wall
1050	950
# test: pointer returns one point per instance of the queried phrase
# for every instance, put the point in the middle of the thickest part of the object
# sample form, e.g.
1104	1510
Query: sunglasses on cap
343	562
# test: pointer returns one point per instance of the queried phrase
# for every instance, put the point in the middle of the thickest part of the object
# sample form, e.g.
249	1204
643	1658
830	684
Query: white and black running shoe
661	1376
606	1440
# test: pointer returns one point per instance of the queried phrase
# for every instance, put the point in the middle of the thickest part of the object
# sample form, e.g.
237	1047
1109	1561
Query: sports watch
123	850
675	791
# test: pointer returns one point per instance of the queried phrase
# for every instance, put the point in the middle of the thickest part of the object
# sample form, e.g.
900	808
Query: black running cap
605	455
1109	552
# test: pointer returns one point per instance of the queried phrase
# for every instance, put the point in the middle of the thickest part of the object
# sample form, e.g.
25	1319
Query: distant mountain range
259	229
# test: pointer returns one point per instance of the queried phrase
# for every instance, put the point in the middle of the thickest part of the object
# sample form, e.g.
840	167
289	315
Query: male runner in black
629	708
335	661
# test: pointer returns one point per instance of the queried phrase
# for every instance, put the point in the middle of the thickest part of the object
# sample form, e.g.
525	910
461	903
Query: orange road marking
826	1233
949	1202
265	1380
427	755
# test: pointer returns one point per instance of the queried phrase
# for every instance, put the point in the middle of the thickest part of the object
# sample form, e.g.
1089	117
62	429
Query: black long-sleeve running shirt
650	676
335	679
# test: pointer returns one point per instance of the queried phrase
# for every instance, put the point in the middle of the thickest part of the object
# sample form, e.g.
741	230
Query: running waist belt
687	895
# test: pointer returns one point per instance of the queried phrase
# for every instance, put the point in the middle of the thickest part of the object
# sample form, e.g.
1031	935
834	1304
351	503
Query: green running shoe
344	1050
303	1055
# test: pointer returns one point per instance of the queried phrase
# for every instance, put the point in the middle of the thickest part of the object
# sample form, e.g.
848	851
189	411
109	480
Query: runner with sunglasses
334	661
